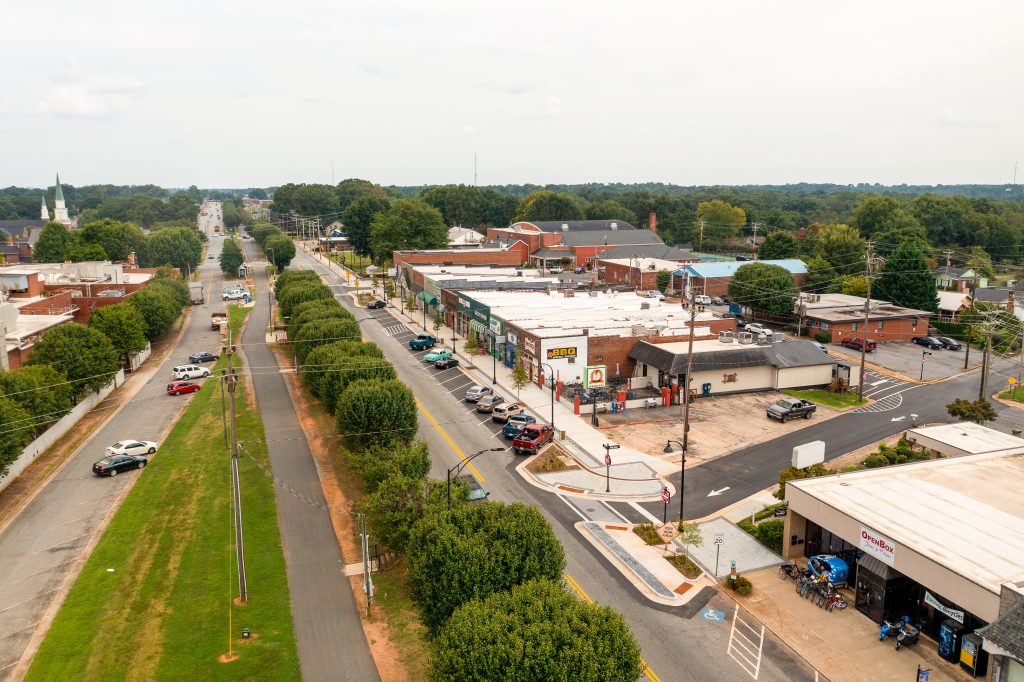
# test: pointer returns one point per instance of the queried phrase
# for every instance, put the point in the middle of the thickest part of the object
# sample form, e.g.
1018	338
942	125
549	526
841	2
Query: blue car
515	424
836	570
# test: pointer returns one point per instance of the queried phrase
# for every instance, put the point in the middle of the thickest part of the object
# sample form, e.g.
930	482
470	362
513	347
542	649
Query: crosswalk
394	330
885	392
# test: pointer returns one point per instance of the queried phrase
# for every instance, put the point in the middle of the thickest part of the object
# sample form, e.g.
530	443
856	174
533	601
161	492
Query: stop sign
607	459
664	495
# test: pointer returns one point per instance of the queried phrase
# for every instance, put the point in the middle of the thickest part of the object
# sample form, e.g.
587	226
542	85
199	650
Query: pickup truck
216	319
532	438
517	423
422	342
858	344
790	408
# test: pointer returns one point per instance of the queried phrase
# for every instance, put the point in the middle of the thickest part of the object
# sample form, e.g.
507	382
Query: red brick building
842	316
515	253
639	273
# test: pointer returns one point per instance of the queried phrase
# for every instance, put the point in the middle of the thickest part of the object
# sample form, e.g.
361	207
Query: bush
648	533
292	276
741	585
300	292
875	461
320	333
791	472
823	337
769	534
376	413
379	464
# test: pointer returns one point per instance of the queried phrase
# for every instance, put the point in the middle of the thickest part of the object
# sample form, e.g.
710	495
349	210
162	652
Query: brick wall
52	305
515	255
616	349
719	286
899	329
619	273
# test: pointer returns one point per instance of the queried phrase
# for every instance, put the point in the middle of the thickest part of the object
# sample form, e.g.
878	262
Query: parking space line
742	648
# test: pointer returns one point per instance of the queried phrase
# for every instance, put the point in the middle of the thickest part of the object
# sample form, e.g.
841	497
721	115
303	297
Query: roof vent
565	227
614	226
645	306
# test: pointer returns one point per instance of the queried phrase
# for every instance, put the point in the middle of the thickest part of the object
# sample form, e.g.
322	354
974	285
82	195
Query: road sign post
608	447
665	497
719	541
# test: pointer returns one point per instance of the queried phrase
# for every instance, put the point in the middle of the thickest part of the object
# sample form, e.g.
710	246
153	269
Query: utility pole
700	246
689	369
949	256
755	226
867	313
232	381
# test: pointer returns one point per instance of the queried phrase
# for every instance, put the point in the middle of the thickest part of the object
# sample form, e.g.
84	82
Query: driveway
904	357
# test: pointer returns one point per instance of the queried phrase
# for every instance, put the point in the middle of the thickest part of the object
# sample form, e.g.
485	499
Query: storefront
475	320
567	356
920	542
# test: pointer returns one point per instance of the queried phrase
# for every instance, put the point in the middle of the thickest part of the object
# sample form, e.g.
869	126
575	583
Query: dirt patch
551	459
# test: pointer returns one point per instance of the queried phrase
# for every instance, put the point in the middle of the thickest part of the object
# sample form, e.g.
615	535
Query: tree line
485	578
72	360
179	245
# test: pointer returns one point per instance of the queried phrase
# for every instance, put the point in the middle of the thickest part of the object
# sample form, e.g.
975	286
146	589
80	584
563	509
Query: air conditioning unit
726	337
746	337
565	227
645	306
614	226
764	340
594	294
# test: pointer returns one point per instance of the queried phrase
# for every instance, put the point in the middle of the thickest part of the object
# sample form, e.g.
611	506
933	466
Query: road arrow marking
897	419
717	492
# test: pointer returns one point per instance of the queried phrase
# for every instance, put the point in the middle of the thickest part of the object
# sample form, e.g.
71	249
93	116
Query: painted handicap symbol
711	614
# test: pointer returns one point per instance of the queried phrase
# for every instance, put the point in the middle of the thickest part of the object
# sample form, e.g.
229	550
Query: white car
233	295
132	447
182	372
759	329
702	300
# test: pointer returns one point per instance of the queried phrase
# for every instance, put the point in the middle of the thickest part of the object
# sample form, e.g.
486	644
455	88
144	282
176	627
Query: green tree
329	369
458	204
519	378
231	258
398	503
85	355
41	390
353	189
124	325
177	246
375	413
293	277
16	429
174	286
410	224
981	262
855	285
475	551
765	287
547	205
280	250
721	220
380	464
536	631
907	280
977	411
317	314
609	209
842	247
438	322
118	239
53	244
300	292
879	214
791	473
82	253
159	308
320	333
821	277
358	217
777	246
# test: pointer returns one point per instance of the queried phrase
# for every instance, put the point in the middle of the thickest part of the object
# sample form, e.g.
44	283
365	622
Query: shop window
853	327
880	324
824	326
913	323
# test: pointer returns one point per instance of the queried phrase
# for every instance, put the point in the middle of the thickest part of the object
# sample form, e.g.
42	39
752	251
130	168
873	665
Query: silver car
476	392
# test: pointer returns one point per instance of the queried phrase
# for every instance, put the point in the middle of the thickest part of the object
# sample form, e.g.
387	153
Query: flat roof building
963	438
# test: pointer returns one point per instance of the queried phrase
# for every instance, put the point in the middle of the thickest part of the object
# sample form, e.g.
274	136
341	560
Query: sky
236	94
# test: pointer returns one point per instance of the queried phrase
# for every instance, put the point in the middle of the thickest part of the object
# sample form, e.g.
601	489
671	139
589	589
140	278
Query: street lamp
494	358
923	353
457	469
552	378
682	467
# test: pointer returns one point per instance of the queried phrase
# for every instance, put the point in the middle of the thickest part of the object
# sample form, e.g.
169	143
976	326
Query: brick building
712	279
638	273
842	316
511	253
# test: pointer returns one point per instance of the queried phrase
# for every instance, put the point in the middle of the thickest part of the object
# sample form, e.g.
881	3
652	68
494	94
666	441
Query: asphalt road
329	634
676	643
48	541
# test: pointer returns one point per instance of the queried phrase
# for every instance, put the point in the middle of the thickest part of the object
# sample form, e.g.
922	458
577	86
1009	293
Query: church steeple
44	213
60	211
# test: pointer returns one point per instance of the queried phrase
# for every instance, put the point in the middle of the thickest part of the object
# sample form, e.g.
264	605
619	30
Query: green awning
430	300
479	327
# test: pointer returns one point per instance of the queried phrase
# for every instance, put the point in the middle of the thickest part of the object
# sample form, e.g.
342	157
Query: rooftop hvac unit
764	340
651	266
645	306
594	294
570	293
519	273
565	227
726	337
746	337
614	226
638	330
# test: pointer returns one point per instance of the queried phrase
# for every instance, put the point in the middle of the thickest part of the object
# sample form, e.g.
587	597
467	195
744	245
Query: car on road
476	392
442	354
476	492
447	363
701	299
203	356
376	304
757	328
111	466
489	402
189	372
516	423
532	438
233	295
422	342
555	270
785	409
179	387
210	257
948	343
858	343
717	300
132	447
502	412
927	342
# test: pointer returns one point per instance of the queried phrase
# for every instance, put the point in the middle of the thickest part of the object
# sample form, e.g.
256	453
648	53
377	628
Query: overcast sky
261	93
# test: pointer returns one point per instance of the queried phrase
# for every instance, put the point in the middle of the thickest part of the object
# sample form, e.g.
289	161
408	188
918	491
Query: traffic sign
719	538
607	459
664	495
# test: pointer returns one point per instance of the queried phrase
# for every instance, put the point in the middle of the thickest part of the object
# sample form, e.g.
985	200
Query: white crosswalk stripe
890	402
394	330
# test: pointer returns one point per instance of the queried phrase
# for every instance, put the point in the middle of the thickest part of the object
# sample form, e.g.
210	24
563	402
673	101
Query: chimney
1009	301
652	221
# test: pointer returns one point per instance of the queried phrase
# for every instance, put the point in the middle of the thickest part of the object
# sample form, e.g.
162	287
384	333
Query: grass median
153	600
840	401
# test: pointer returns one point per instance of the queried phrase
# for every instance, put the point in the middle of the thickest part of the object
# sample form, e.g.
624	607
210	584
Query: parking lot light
457	469
682	467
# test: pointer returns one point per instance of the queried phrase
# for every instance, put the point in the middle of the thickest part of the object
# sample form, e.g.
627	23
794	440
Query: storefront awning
430	300
870	563
478	327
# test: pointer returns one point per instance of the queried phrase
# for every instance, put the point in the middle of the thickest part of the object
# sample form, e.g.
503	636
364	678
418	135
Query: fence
58	429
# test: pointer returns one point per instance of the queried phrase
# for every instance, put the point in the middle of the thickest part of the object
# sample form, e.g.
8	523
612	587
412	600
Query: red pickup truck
531	438
859	344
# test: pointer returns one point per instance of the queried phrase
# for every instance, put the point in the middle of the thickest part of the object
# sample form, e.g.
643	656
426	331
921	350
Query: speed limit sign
664	495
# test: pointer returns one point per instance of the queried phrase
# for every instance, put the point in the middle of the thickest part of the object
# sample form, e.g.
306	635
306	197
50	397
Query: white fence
135	360
58	429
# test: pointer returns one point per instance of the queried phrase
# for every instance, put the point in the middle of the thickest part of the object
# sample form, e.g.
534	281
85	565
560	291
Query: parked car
702	300
532	438
516	423
489	402
189	372
179	387
502	412
132	447
111	466
555	270
836	569
234	295
375	304
202	356
927	342
948	343
785	409
758	329
442	354
422	342
476	392
447	363
476	491
858	343
717	300
580	271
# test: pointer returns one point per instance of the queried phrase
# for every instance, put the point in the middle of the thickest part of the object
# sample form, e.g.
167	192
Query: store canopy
430	300
479	327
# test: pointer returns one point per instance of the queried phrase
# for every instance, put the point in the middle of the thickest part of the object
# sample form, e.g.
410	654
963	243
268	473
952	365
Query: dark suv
948	343
927	342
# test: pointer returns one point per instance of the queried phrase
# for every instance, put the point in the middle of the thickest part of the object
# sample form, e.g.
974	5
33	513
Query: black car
114	464
202	357
948	343
446	363
927	342
375	305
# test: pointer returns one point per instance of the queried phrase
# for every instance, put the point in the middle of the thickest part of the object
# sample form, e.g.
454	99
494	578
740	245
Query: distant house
958	279
463	237
951	303
842	316
1011	299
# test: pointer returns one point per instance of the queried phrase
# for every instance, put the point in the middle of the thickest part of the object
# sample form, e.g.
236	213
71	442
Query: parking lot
905	358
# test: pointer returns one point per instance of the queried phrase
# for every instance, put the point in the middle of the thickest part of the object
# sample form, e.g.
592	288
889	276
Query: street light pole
494	358
552	377
457	469
682	467
923	353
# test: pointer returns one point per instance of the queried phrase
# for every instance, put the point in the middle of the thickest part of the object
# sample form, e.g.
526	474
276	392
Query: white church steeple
44	213
60	211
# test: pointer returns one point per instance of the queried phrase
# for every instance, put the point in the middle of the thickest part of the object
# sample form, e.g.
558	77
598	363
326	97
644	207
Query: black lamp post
457	469
494	358
551	377
682	467
923	353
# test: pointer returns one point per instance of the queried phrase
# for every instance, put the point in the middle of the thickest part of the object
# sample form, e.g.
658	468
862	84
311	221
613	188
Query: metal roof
729	268
576	225
613	237
713	355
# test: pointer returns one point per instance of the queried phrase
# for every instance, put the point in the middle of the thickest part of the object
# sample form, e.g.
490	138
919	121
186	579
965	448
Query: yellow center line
575	587
448	439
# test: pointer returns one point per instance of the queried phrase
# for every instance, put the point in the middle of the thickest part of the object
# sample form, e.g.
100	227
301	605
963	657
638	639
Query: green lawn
840	401
1016	395
162	612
